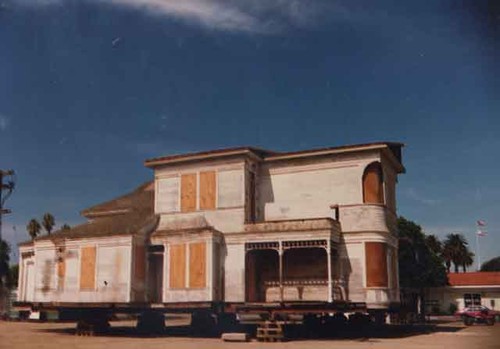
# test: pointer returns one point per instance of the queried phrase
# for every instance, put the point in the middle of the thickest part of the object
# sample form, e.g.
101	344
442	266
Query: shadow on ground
296	332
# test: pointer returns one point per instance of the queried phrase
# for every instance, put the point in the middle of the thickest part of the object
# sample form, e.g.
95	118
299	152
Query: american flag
481	233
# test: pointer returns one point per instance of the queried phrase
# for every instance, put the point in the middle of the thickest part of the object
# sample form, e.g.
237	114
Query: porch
292	271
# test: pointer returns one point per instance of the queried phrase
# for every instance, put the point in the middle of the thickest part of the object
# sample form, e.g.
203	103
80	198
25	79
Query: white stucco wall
113	265
444	296
229	215
235	273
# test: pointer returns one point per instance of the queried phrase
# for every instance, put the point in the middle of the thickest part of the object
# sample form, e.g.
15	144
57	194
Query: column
280	252
329	261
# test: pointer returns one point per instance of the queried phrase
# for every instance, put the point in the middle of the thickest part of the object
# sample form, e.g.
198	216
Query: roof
269	155
481	278
139	198
217	153
125	215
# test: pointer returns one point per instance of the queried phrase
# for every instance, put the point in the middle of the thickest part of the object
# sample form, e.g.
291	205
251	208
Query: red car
477	314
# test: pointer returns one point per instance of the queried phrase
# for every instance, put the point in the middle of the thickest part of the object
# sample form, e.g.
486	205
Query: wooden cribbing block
235	337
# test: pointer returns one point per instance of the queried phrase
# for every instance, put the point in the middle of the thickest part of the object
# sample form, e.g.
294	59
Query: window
373	184
471	299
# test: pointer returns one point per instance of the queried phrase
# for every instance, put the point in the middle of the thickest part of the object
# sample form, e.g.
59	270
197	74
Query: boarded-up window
87	268
167	195
197	265
140	263
230	188
188	192
376	264
178	266
61	271
207	190
373	184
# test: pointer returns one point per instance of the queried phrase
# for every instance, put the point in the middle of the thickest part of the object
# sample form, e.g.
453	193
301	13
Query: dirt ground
17	335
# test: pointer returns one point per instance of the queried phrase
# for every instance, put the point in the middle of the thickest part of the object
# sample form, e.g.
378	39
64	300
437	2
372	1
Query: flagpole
477	252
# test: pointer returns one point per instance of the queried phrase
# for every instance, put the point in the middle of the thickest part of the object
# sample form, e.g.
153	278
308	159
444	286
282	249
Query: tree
65	227
456	250
12	276
419	265
48	222
467	260
491	265
4	262
434	244
33	228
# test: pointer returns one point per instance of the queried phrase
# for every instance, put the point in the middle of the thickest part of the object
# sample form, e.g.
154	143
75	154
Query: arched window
373	184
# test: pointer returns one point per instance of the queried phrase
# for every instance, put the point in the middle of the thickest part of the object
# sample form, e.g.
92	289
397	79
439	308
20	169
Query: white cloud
4	122
414	195
254	16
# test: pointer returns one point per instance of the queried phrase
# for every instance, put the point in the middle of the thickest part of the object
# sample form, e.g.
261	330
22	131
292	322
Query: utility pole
7	184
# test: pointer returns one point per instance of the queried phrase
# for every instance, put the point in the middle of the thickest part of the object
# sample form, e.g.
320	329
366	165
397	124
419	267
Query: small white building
465	289
239	225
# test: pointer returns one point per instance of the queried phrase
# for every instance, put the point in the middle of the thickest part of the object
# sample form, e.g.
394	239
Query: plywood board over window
207	190
61	272
376	264
197	265
178	266
373	185
188	192
87	268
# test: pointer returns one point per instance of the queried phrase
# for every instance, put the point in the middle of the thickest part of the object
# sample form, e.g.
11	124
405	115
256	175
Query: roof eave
152	163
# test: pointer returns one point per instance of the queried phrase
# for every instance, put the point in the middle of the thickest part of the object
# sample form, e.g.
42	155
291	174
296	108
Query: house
466	289
100	261
238	225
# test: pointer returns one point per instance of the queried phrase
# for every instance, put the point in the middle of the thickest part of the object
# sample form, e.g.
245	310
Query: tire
468	321
490	321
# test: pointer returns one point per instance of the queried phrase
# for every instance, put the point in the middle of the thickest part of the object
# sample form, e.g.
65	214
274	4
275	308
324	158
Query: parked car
477	314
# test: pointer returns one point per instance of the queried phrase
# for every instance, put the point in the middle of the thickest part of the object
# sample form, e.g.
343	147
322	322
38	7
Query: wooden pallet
270	331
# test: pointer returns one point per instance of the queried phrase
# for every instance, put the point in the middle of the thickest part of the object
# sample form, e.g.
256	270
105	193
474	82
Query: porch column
329	261
280	252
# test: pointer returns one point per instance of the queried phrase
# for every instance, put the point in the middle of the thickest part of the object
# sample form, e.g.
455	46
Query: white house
239	225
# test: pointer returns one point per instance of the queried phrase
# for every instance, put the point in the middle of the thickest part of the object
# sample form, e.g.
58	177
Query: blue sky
91	88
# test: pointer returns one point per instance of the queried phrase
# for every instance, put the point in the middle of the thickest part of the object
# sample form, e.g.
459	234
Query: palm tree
447	257
434	244
33	228
48	222
467	260
455	250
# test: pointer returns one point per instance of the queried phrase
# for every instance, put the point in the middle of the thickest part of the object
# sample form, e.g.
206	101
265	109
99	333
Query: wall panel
167	195
230	188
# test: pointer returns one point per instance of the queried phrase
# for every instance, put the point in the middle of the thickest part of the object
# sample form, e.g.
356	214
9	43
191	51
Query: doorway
155	274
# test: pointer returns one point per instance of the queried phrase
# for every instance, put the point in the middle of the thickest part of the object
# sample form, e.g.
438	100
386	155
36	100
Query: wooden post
329	261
